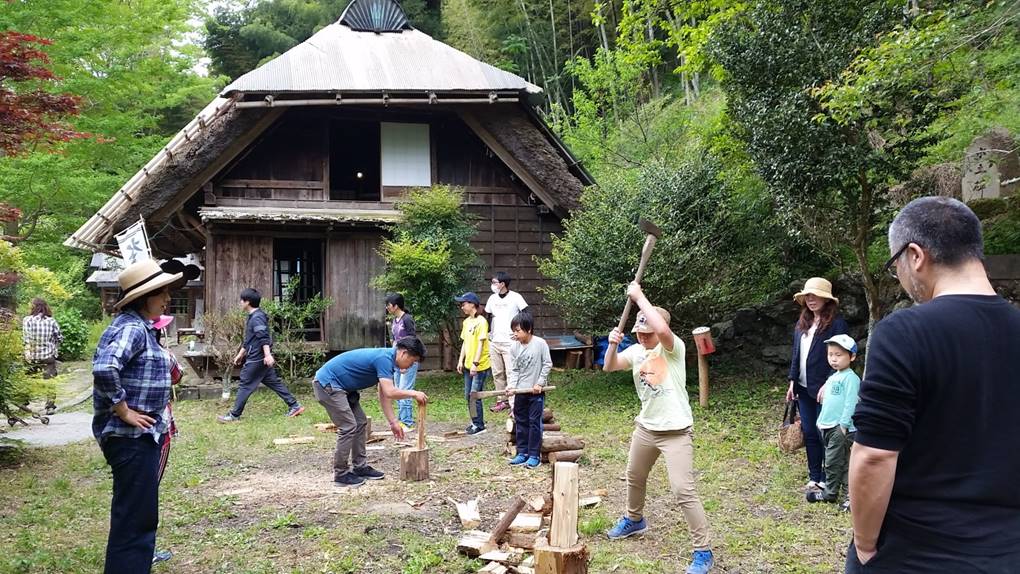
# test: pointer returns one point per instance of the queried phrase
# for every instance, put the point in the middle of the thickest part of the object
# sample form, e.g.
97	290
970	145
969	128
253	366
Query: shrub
76	334
289	319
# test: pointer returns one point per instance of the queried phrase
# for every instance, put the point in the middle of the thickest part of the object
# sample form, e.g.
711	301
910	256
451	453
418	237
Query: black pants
528	424
900	555
252	374
809	409
134	510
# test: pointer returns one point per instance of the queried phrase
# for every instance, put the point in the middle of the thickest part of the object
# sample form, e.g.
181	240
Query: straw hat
816	286
641	322
142	278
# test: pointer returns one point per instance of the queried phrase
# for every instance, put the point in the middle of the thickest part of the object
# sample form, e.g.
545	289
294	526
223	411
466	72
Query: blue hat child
845	341
468	297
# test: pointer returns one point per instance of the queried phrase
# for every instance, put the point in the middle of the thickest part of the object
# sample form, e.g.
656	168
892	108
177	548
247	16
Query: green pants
837	461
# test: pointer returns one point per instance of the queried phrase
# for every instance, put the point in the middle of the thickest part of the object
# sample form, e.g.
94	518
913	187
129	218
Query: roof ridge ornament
375	16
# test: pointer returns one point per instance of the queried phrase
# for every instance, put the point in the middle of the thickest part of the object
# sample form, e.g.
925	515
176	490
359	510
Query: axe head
649	228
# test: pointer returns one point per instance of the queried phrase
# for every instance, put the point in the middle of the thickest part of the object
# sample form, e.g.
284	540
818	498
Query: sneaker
295	410
818	496
161	556
368	473
627	527
475	430
533	462
518	460
228	418
349	479
407	427
845	507
702	562
51	408
499	406
811	485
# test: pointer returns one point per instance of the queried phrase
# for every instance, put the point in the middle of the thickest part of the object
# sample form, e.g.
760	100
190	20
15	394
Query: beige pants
499	358
678	450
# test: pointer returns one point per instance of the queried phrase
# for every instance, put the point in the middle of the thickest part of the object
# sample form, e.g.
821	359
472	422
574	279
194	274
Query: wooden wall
356	317
234	262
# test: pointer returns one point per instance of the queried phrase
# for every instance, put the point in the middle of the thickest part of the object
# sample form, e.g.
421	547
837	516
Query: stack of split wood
534	536
556	446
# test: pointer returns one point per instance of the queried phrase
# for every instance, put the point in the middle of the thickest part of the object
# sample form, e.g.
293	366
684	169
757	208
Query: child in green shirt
835	420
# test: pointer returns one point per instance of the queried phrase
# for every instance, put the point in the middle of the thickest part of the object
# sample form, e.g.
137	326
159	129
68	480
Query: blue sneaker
627	527
533	462
518	460
702	563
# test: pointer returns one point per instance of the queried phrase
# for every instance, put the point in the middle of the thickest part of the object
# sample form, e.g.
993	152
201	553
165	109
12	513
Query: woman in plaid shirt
41	337
131	391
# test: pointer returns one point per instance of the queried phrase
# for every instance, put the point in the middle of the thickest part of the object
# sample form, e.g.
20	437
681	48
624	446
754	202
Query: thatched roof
302	215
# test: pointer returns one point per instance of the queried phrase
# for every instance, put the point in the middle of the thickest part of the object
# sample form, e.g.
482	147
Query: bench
578	349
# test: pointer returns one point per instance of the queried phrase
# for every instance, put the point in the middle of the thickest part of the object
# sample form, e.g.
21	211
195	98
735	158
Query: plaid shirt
41	336
129	365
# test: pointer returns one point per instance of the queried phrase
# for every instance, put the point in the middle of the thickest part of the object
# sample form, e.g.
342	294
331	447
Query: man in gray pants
338	385
259	365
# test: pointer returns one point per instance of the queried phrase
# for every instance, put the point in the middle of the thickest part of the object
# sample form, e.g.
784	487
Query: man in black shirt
256	354
933	472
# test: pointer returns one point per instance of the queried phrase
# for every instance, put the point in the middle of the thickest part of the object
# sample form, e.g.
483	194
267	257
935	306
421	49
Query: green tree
430	260
290	320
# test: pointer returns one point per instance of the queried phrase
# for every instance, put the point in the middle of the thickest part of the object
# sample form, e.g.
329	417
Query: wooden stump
414	464
552	560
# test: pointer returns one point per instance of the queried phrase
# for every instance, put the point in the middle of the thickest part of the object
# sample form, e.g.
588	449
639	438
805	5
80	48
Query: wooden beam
563	531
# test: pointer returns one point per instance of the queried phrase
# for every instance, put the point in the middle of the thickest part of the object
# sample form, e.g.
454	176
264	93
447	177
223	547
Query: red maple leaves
28	113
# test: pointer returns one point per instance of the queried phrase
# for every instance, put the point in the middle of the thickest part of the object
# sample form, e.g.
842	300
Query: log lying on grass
555	443
565	456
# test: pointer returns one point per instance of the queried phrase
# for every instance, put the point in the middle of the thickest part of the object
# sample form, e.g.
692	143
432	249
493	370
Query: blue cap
468	297
845	341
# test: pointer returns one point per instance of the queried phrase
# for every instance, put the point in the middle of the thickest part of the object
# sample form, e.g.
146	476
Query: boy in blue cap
839	399
473	362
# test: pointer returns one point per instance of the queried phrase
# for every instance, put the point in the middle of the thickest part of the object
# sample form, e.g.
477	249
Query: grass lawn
232	502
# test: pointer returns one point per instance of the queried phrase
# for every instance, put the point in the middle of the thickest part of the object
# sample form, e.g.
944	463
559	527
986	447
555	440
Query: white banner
134	243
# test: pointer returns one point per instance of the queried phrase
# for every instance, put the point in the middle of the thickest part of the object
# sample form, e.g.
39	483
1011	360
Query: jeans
253	373
405	382
344	410
476	383
134	510
528	424
809	409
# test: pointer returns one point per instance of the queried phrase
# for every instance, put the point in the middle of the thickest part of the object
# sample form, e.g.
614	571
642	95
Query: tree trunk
655	72
862	238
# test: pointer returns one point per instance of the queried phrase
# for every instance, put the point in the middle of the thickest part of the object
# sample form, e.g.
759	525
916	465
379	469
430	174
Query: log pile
544	541
556	446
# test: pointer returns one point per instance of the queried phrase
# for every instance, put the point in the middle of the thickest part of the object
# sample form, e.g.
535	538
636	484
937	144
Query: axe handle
421	427
646	253
486	394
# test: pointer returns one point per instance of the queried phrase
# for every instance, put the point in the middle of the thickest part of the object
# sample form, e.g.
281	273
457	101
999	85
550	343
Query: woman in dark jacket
809	366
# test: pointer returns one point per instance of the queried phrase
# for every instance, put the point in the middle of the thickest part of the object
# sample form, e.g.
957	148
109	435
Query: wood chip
526	522
474	543
589	501
325	427
493	568
468	513
495	556
454	434
375	447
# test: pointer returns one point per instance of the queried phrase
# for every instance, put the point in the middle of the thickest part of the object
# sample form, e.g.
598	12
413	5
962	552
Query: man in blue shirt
337	387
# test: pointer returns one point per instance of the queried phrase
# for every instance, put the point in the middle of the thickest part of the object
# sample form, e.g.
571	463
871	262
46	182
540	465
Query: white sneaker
812	485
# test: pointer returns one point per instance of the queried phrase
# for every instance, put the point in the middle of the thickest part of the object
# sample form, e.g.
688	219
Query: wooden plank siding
240	261
356	318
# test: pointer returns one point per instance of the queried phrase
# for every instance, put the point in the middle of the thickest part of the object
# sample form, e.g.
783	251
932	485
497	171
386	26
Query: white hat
142	278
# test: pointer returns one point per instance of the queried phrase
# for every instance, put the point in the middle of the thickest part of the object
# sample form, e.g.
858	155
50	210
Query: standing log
563	531
558	442
504	523
565	456
414	464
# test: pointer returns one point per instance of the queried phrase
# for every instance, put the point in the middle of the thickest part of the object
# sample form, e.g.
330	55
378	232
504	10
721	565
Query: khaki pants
499	357
344	409
678	450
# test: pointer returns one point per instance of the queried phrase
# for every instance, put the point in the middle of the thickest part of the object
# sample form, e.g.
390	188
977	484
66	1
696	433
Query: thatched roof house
294	168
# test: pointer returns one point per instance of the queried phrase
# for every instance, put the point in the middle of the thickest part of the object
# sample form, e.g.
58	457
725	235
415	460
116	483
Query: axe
478	395
652	233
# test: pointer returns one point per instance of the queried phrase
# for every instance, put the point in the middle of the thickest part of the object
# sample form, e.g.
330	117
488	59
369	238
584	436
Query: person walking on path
338	385
473	361
403	326
809	365
835	419
662	428
503	305
41	337
530	365
933	470
256	354
131	421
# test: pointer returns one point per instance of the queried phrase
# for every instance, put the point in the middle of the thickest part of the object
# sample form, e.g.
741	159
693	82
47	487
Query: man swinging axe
663	427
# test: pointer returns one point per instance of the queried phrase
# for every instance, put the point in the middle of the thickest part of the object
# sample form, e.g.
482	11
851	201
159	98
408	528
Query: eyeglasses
890	266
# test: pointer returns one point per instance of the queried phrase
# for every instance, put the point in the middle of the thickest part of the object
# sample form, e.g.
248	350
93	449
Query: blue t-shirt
358	369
